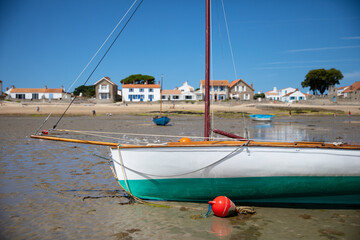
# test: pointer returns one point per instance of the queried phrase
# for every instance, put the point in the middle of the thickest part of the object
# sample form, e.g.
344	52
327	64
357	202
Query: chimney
12	86
45	87
252	85
297	89
275	89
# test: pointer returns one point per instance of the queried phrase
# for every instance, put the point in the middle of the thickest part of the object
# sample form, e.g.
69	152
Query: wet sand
278	108
56	190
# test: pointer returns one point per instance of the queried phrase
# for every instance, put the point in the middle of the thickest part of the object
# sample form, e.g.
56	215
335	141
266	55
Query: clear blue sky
275	43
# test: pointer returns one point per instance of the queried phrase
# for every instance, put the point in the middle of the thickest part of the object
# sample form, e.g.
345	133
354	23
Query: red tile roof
37	90
141	86
171	92
290	93
106	79
271	93
215	82
355	86
240	80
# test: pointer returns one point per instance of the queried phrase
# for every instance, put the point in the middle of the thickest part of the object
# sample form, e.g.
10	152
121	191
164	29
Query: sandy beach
30	108
56	190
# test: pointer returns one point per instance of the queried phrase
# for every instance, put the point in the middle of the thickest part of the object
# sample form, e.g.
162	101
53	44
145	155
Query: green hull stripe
331	190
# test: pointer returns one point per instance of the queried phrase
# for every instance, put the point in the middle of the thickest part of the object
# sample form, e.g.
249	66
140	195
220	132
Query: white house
141	92
185	92
171	95
294	96
277	95
37	93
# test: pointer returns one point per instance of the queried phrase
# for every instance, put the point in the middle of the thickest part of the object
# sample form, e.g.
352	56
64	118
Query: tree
321	79
259	95
87	91
138	79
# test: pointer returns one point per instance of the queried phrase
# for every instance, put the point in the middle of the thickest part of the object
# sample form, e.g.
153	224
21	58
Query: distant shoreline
223	109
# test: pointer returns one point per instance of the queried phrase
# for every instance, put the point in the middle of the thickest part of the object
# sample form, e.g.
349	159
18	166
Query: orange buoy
185	140
44	132
223	207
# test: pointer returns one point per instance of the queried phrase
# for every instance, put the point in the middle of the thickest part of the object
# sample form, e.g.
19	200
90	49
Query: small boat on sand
262	117
161	121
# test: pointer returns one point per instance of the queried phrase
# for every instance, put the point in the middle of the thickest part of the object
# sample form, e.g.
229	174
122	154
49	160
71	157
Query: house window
175	97
141	90
20	96
189	97
216	88
162	97
104	96
151	97
292	98
301	98
222	88
151	90
103	87
35	96
131	90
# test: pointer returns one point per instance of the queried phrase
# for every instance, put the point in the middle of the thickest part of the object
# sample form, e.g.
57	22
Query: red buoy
44	132
223	207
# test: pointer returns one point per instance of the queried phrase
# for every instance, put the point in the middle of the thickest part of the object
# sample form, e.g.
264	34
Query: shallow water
56	190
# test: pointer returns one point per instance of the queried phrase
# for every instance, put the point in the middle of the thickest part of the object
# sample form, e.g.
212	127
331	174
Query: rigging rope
100	61
227	30
102	45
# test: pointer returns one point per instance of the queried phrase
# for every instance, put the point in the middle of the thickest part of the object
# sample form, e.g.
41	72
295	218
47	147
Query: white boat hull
338	169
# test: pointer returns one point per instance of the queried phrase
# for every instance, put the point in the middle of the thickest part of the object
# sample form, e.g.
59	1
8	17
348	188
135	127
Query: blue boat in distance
262	117
161	121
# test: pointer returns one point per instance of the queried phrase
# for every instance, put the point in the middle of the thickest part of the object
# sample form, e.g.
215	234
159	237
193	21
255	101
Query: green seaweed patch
329	233
231	114
157	205
196	217
133	230
305	216
122	235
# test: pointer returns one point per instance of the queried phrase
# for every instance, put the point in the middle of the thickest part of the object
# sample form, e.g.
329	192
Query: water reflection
221	227
316	129
279	132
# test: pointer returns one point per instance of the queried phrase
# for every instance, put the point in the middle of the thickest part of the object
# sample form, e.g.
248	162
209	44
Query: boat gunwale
210	144
248	144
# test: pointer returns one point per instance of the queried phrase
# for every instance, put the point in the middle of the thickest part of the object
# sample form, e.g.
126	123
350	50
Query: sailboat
161	120
242	169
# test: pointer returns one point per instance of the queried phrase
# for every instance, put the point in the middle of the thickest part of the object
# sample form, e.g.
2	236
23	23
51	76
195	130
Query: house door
334	99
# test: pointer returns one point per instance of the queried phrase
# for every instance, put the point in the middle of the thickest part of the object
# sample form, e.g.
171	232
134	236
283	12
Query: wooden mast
207	73
162	76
